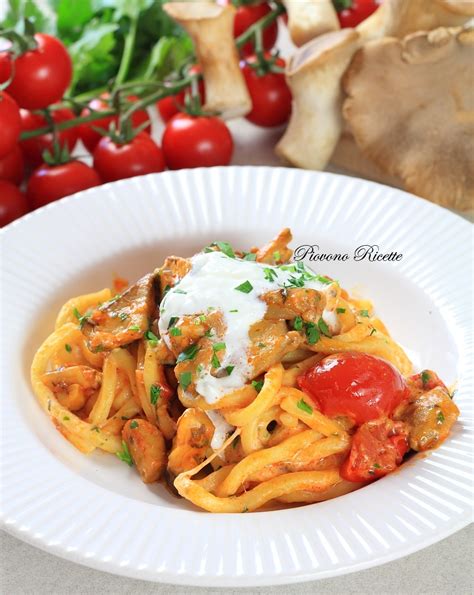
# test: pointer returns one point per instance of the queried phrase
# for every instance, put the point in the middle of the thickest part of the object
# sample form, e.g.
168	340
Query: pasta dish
242	379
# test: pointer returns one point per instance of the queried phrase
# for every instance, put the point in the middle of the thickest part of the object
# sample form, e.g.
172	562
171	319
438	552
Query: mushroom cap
410	107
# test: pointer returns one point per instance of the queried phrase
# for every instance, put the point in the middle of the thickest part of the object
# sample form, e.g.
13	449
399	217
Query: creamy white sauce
221	429
211	284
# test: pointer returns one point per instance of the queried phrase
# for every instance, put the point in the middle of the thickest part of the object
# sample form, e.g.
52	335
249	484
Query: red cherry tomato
357	12
51	182
13	203
271	96
11	166
170	106
245	17
33	147
42	75
10	124
91	137
357	385
377	448
196	141
140	156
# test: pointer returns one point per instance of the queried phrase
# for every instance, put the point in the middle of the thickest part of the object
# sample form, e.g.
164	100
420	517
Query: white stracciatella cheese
232	286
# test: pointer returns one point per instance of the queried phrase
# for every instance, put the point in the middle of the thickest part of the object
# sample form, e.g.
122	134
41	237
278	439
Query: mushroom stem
314	74
309	18
210	26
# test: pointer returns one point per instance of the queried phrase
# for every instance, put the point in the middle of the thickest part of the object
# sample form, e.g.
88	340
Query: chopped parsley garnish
218	346
312	333
364	313
98	349
258	385
377	466
298	323
173	321
124	454
245	287
425	377
134	424
229	370
323	279
188	354
303	405
215	361
374	330
166	289
250	256
261	345
323	327
175	331
233	311
151	338
270	274
180	291
276	255
208	333
155	393
202	318
68	348
296	281
185	379
440	418
66	418
123	316
340	310
225	247
82	318
134	328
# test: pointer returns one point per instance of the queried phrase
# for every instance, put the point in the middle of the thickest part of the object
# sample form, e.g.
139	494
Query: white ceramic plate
95	510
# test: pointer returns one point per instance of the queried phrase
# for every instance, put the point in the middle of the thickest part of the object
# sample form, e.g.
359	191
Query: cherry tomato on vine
12	167
91	137
10	124
170	106
33	147
271	96
196	141
357	385
245	17
13	203
353	12
377	448
41	75
52	182
139	156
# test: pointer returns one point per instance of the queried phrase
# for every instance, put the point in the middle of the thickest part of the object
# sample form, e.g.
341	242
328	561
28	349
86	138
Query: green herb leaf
229	370
215	361
425	377
68	348
175	331
218	346
251	256
374	330
233	311
226	248
276	255
123	316
151	338
323	327
258	385
66	418
180	291
173	321
155	393
270	274
188	354
134	328
312	333
134	424
340	310
185	379
298	323
303	405
124	454
364	313
82	318
245	287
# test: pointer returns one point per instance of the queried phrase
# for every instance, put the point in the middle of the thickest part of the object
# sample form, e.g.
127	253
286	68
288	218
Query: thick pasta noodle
225	416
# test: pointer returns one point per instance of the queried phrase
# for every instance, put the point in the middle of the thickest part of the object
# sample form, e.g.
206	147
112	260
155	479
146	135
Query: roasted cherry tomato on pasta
10	124
246	16
196	141
40	75
271	96
353	12
13	203
137	157
356	385
51	182
33	148
89	133
11	166
378	447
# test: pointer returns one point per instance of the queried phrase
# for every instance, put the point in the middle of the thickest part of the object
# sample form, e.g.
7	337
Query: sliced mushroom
427	138
308	19
210	26
314	75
